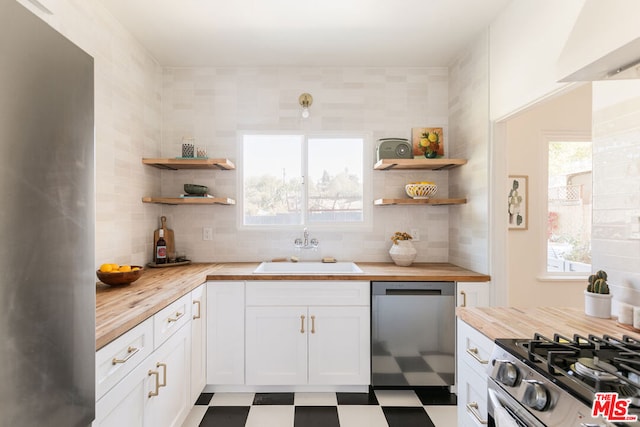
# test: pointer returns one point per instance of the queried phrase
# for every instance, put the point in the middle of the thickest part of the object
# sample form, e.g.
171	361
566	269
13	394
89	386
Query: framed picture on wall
517	202
427	143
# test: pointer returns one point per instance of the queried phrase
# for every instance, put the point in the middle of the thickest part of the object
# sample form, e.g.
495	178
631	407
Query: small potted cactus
597	299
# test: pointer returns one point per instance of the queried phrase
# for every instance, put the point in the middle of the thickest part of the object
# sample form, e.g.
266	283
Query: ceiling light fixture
305	100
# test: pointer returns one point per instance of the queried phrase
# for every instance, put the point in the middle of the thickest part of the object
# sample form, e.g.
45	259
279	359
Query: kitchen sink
308	268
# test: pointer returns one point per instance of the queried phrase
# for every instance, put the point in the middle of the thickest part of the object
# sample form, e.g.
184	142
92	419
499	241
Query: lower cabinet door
472	397
167	392
198	341
339	345
276	345
225	333
124	404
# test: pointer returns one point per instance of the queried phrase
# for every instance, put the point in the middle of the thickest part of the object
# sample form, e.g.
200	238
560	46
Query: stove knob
535	395
507	373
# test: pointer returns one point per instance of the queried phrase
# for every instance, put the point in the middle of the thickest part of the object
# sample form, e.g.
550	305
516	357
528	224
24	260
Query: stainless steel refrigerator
47	278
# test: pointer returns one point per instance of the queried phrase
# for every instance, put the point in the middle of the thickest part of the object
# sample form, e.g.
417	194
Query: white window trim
554	276
367	197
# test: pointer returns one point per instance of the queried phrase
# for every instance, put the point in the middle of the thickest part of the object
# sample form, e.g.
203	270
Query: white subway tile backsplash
214	104
616	185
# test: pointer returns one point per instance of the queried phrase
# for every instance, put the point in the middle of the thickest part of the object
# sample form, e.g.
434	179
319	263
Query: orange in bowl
120	278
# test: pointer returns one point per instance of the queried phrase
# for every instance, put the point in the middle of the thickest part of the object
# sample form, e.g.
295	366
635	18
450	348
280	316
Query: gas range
548	382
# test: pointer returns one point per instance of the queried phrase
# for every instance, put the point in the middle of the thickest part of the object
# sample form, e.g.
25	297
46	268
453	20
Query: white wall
526	41
568	115
213	105
469	129
616	186
127	121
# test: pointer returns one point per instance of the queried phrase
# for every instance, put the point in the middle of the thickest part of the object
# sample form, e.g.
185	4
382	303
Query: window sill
573	277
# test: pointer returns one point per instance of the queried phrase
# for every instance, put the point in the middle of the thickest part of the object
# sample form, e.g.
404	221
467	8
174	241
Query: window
569	207
302	180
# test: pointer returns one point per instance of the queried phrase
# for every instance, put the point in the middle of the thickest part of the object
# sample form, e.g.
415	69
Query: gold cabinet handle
176	318
313	324
157	374
473	408
164	371
474	353
130	352
464	298
197	316
302	324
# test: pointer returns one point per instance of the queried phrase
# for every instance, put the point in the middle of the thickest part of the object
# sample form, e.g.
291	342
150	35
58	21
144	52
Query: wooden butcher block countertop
510	322
119	309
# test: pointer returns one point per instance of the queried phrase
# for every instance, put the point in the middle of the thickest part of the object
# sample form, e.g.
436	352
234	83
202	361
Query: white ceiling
199	33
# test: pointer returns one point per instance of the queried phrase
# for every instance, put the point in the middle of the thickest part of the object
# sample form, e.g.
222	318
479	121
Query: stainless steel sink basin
307	268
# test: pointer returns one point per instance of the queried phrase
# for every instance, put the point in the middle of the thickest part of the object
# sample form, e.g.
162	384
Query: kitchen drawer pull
464	298
157	374
302	324
130	352
313	324
474	353
473	408
197	316
175	319
164	371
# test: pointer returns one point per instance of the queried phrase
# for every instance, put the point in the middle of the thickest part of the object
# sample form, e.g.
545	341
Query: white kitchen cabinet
294	336
225	333
339	345
473	353
198	341
118	358
472	294
472	397
276	344
155	393
170	366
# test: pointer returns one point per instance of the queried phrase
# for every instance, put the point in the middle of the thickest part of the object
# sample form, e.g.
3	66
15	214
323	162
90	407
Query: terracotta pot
597	305
403	253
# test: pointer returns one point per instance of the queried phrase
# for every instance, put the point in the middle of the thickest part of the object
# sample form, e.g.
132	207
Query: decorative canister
403	253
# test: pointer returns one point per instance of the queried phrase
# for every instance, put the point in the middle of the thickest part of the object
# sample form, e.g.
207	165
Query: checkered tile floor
425	407
411	368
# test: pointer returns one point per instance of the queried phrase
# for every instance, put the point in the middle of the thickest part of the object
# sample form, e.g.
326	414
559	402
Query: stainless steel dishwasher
413	333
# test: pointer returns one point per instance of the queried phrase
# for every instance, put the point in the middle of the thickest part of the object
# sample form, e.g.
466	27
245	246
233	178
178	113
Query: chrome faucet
305	242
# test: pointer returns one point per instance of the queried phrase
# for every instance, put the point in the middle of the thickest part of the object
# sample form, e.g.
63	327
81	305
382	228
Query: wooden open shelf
189	200
433	202
429	164
195	163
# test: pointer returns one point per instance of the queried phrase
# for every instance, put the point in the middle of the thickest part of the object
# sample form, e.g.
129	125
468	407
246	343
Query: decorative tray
170	264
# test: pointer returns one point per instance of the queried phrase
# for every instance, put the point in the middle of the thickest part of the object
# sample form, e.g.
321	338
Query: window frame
367	168
545	275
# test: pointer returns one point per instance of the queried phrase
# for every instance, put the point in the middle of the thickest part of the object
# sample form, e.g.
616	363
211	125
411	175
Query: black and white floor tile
424	407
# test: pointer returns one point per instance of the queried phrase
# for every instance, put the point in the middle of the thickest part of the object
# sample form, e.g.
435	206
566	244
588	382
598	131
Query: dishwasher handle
413	288
403	292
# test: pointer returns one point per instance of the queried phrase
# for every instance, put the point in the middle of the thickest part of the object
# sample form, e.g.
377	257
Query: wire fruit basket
421	190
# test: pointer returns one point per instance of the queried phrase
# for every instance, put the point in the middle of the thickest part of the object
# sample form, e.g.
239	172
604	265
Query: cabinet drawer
171	318
474	347
115	360
307	293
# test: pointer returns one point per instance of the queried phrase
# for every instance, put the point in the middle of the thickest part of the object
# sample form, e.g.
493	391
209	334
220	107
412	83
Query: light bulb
305	113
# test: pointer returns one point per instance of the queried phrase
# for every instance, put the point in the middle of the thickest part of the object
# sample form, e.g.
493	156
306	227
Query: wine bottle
161	248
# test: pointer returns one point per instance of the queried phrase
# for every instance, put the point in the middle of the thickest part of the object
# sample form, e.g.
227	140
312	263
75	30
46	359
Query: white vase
597	305
403	253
